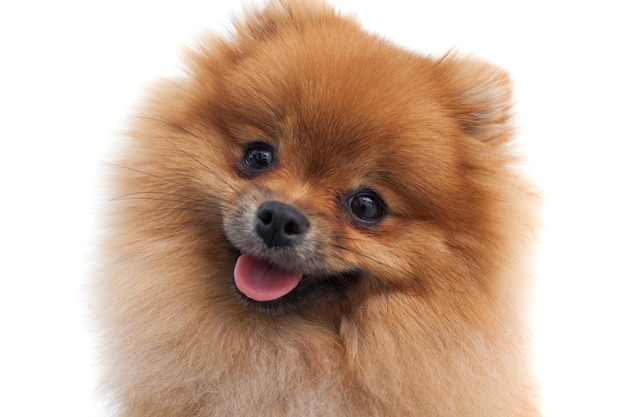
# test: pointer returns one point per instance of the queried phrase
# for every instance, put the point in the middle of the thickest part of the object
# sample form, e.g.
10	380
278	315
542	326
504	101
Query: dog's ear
480	97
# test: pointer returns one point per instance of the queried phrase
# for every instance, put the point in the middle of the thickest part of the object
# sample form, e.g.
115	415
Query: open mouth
271	289
262	281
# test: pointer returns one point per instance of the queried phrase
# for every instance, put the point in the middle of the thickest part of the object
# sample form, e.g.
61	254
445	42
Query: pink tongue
261	281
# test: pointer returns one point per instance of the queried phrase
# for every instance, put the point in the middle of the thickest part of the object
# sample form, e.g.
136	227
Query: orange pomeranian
315	222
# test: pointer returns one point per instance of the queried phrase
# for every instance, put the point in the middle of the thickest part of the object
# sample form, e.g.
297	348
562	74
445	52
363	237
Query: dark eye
258	156
367	206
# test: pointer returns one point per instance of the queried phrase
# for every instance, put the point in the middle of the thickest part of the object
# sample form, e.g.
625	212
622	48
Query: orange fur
434	326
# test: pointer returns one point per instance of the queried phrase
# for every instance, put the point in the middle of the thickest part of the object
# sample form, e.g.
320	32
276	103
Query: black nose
279	224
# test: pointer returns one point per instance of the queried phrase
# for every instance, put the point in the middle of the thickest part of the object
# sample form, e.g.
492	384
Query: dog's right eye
367	207
258	156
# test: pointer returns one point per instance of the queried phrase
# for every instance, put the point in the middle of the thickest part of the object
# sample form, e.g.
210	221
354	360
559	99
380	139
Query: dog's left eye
258	156
367	207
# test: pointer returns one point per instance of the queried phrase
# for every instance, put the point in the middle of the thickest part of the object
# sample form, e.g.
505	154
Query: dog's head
327	159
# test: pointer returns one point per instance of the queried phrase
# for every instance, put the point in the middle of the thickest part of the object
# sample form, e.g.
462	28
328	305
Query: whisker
350	266
165	180
369	258
183	199
178	224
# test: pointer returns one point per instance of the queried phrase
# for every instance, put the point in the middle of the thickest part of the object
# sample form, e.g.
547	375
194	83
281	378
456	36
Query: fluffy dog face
372	155
341	207
336	160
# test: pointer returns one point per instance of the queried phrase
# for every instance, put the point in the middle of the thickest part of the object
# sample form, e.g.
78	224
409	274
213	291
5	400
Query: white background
69	72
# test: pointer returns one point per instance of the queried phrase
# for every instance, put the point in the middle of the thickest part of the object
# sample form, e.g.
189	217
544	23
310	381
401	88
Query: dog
312	221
